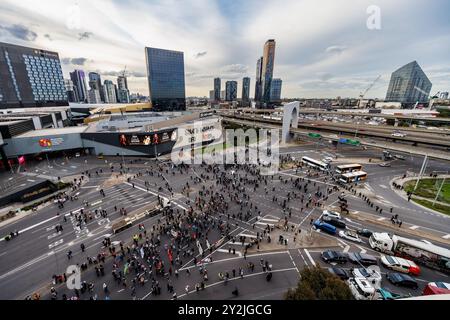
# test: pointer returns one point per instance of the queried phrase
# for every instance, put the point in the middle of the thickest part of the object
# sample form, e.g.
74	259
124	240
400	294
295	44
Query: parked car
385	164
385	294
338	223
349	235
399	157
362	258
364	232
77	155
361	289
330	256
339	272
372	275
436	288
328	213
404	280
325	227
400	265
398	134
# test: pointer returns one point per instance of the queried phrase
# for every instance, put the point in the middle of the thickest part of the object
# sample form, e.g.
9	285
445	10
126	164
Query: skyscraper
245	89
267	69
275	90
122	90
443	95
258	81
70	90
230	90
93	96
165	71
30	78
409	84
96	80
79	82
110	92
217	86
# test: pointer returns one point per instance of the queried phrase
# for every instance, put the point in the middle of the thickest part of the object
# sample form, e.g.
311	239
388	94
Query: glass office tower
245	89
267	69
275	90
217	87
231	90
165	71
409	84
30	78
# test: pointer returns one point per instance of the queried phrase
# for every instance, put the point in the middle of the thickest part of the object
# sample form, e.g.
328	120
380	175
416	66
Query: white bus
315	163
348	168
355	176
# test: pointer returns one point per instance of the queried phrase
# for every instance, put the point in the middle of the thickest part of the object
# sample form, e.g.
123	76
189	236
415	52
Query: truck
420	251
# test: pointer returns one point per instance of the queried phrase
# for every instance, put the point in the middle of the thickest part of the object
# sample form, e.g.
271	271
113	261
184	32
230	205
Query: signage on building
144	139
50	142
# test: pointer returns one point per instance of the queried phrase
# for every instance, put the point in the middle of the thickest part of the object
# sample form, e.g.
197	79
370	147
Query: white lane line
57	243
265	223
270	220
361	248
155	194
226	251
414	227
303	258
447	236
347	247
246	235
96	203
3	253
381	219
309	257
293	262
89	187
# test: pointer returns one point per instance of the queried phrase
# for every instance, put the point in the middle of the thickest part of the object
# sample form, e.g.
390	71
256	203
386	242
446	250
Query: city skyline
315	58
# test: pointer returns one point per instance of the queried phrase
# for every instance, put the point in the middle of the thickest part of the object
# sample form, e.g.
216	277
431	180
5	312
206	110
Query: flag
169	253
125	268
21	160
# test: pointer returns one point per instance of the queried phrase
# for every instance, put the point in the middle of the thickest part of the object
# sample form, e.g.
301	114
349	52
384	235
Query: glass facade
409	84
275	90
258	89
231	90
245	89
79	81
30	78
165	71
217	86
267	69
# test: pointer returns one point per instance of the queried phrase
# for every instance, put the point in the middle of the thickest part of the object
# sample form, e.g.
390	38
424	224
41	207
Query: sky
324	48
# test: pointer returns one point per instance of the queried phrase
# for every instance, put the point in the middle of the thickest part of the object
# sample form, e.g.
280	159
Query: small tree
318	284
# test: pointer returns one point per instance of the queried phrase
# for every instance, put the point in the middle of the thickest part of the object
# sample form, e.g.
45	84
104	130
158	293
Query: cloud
324	76
48	37
20	32
112	73
335	49
75	61
235	68
85	35
200	54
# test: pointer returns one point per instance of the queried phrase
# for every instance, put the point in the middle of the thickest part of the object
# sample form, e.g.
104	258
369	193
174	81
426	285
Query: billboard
148	139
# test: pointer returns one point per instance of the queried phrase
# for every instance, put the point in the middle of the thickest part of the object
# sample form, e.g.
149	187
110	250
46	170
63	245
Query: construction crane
361	96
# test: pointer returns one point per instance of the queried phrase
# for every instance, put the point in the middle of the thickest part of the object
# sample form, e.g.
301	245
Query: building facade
30	78
217	88
110	92
70	91
443	95
267	70
79	81
94	96
245	90
166	84
409	84
258	81
95	82
275	90
231	90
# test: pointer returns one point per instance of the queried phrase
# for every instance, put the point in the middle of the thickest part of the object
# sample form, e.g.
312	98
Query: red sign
45	143
21	160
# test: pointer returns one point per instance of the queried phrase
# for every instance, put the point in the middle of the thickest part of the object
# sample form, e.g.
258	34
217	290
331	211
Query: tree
319	284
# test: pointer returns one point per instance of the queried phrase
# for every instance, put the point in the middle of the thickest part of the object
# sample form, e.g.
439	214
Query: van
325	227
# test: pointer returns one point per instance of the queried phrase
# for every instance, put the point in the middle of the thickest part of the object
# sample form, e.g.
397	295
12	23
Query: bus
355	176
315	163
348	168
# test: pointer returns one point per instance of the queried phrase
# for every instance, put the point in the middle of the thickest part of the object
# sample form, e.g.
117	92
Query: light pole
422	170
440	188
357	126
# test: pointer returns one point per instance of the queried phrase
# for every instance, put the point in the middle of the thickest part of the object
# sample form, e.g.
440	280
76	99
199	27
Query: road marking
226	251
361	248
96	203
414	227
88	187
347	247
304	260
383	186
381	219
53	235
270	220
57	243
309	257
293	262
447	236
246	235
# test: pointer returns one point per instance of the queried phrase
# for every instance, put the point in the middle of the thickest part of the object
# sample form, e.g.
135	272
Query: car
399	157
325	227
400	265
385	294
364	232
338	223
361	289
398	134
371	274
327	159
77	155
331	256
339	272
349	235
385	164
401	279
333	214
362	258
436	288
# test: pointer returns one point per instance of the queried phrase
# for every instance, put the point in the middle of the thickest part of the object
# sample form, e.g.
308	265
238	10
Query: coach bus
351	177
348	168
315	163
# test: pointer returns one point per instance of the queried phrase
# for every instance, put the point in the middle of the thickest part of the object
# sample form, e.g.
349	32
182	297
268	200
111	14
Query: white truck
420	251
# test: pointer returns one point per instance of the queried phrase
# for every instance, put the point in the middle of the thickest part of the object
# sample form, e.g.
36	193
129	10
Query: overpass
440	121
390	144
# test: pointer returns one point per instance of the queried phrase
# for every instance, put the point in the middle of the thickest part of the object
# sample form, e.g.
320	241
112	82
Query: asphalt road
28	262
